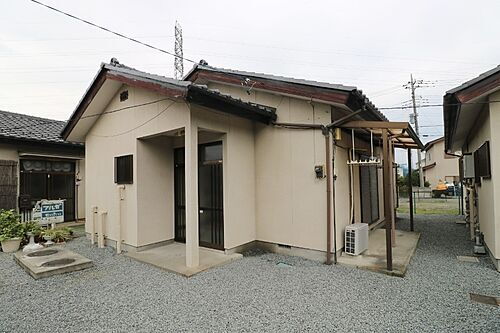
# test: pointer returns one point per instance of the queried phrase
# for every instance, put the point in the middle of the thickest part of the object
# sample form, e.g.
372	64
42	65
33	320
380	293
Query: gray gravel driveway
254	294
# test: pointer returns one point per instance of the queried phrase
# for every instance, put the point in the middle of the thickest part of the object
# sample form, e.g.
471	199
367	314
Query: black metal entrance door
210	196
49	179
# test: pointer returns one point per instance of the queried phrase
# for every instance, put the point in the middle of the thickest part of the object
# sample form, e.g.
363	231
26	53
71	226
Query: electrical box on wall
320	171
468	164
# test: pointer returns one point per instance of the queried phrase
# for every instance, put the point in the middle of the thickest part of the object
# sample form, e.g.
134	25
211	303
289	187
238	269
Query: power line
125	108
435	105
110	31
134	128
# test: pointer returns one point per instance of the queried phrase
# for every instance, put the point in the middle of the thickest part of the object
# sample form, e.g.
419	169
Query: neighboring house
36	163
225	159
439	166
472	123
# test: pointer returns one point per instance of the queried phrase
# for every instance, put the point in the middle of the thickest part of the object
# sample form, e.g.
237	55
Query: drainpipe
121	197
326	133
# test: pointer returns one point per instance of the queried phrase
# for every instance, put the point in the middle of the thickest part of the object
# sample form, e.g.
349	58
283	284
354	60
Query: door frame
179	235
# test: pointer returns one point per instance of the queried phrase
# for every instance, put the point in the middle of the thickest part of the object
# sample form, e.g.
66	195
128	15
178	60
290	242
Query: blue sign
52	211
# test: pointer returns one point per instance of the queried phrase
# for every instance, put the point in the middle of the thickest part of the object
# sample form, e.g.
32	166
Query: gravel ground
254	294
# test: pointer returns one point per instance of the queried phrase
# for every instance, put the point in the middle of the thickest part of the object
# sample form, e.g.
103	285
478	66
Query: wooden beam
376	124
387	166
410	190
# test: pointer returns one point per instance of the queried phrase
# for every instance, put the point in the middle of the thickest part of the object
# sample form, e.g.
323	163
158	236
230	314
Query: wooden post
393	194
387	165
410	190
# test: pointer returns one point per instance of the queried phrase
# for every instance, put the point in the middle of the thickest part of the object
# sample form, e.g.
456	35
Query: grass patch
447	206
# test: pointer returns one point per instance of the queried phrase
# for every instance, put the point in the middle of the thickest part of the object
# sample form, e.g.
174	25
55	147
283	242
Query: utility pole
412	85
179	54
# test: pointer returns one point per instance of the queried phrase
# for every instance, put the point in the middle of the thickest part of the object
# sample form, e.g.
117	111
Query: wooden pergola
393	135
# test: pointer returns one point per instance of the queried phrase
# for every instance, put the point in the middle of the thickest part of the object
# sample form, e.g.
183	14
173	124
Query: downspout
326	133
330	192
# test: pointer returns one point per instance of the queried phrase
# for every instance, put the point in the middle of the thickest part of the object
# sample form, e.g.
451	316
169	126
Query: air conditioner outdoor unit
468	164
356	238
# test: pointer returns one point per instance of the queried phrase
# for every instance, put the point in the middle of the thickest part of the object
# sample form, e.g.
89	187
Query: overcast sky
47	60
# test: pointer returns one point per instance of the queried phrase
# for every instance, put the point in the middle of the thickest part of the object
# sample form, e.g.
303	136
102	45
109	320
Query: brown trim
430	166
163	89
85	102
479	88
310	92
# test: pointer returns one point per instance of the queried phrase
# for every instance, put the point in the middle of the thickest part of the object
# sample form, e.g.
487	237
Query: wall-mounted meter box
468	164
320	171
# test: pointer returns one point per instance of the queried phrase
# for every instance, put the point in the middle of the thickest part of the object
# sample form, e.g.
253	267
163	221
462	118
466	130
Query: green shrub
59	235
34	227
10	225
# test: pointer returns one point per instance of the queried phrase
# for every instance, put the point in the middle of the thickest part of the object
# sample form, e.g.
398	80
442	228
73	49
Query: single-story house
227	159
36	163
471	120
438	165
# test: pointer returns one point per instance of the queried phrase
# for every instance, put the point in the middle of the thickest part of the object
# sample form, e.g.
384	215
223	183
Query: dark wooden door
210	196
8	184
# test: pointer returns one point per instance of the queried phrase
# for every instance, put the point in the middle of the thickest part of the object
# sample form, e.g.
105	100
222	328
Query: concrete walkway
374	258
172	257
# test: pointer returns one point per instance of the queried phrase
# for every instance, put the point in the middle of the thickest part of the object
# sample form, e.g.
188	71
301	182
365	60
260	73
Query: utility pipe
93	225
121	197
100	230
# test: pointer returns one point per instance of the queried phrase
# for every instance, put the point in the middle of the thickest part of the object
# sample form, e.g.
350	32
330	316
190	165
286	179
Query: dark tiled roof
274	77
16	126
475	80
353	90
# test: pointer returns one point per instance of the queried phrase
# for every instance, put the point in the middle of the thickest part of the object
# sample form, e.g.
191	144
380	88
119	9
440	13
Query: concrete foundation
374	258
51	261
172	258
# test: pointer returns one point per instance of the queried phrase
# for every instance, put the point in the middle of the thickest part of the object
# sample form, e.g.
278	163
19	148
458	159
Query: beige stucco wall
148	212
446	165
290	200
116	134
9	152
271	192
488	192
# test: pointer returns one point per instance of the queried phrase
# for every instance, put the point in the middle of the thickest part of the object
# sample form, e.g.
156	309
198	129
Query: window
482	161
124	169
211	153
